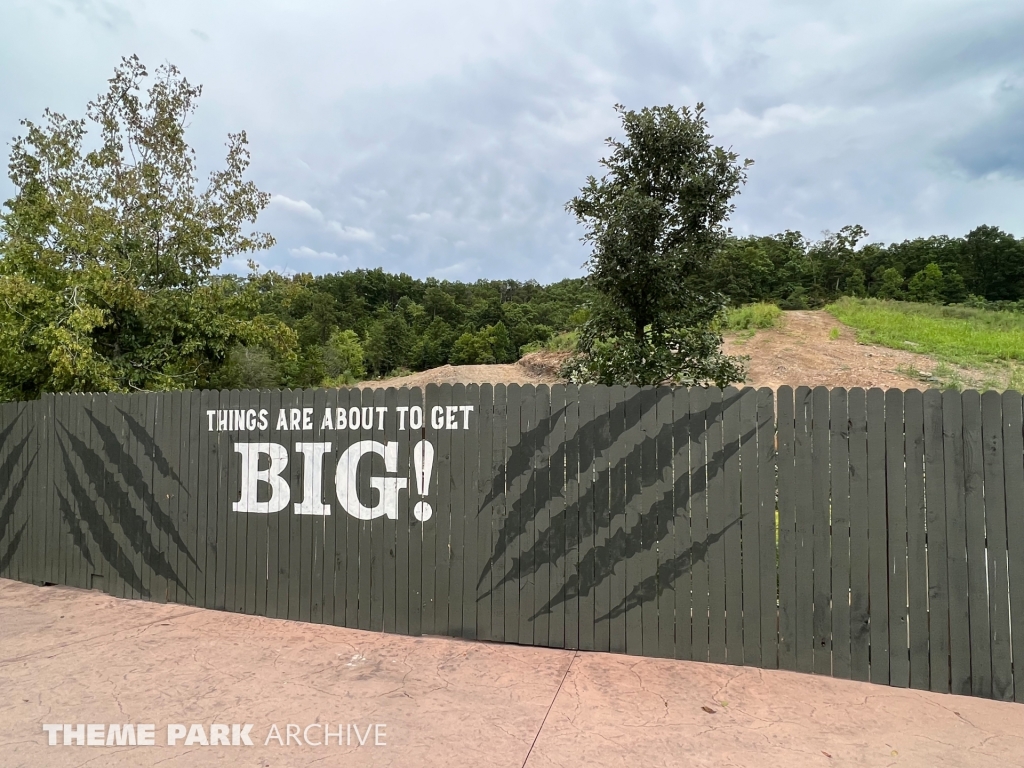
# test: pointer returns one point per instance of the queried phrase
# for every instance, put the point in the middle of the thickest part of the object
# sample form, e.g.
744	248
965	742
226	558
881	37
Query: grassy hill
989	341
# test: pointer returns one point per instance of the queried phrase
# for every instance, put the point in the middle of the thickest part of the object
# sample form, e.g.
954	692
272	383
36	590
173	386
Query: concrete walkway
68	656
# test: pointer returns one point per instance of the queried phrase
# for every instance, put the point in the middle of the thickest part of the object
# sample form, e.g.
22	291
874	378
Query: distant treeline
365	323
985	267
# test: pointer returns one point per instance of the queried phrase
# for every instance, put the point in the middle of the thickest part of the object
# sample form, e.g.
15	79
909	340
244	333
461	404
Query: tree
106	255
997	259
388	342
343	359
927	285
654	221
889	283
485	347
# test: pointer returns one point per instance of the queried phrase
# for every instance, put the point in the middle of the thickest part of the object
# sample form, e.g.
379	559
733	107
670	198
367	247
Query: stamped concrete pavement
74	657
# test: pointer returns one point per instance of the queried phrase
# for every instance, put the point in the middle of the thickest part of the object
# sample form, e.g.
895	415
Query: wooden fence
869	535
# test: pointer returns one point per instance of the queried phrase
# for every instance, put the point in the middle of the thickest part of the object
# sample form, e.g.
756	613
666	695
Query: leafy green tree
343	359
855	283
388	343
654	221
487	346
889	284
439	304
435	345
831	261
106	255
997	258
954	288
248	368
927	286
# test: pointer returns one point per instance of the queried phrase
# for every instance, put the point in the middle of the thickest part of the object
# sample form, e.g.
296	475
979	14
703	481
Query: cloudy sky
444	137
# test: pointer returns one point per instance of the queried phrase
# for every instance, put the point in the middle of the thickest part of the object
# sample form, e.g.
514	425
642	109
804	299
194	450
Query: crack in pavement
68	644
543	722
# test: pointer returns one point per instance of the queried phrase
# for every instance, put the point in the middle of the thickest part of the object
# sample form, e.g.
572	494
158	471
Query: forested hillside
986	264
366	323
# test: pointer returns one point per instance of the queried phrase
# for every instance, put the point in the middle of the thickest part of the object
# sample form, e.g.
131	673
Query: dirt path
801	351
535	368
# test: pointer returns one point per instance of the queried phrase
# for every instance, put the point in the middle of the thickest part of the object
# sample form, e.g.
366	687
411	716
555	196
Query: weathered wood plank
277	531
497	511
416	527
379	528
731	538
956	543
917	564
804	531
478	576
555	529
590	412
512	504
238	584
700	418
750	531
821	516
525	512
261	562
609	574
896	502
767	525
860	617
977	573
1013	461
536	561
878	549
313	434
631	552
457	548
716	526
573	483
839	461
647	532
787	528
996	540
684	553
389	548
398	402
938	587
205	489
664	565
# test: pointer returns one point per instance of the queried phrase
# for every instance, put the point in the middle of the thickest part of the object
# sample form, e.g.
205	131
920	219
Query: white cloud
305	210
305	252
300	207
354	234
411	136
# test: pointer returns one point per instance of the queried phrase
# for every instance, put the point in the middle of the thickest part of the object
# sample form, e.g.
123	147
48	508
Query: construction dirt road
809	348
74	658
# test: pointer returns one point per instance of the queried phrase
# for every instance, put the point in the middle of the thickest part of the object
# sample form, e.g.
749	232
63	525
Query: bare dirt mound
535	368
801	350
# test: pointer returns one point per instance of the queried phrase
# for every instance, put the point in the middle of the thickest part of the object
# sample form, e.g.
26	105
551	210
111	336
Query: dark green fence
868	535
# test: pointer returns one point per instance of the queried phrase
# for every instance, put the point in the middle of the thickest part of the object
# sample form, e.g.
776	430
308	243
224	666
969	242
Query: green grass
988	341
752	317
957	334
561	342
